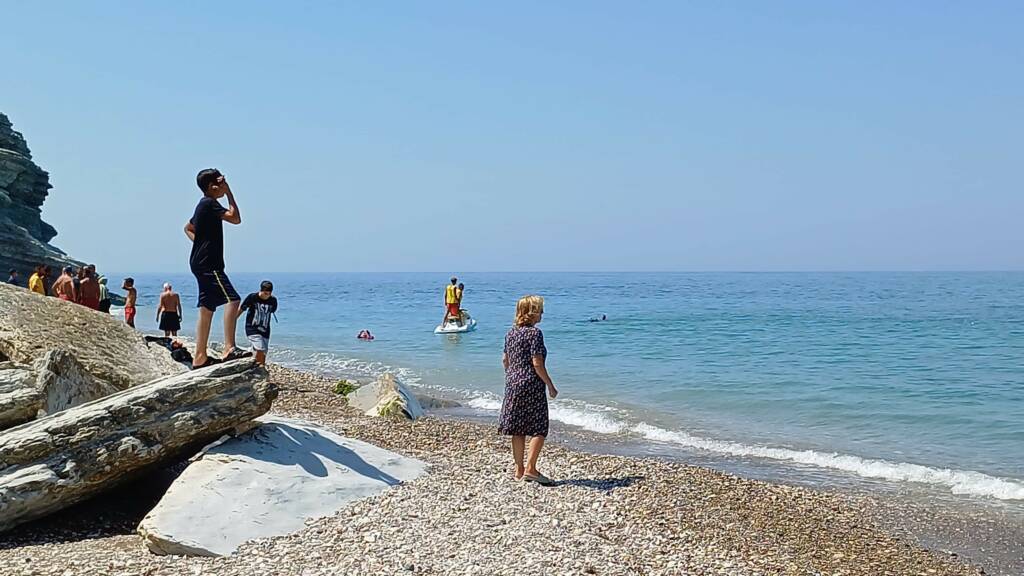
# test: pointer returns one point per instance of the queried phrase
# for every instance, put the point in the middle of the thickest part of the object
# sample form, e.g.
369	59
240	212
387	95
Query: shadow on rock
291	446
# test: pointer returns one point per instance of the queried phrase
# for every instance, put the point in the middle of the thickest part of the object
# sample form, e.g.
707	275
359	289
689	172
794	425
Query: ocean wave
611	421
579	414
337	366
966	482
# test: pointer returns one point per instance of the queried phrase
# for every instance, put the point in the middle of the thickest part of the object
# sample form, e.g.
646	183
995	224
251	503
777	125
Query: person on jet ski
452	301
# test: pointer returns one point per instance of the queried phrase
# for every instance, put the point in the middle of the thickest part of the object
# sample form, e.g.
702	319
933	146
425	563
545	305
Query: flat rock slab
268	482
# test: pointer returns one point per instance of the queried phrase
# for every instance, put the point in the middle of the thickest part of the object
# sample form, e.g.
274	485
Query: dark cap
267	286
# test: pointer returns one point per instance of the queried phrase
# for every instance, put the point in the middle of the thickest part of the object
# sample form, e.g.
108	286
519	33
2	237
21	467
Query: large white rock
32	325
64	458
54	382
268	482
386	396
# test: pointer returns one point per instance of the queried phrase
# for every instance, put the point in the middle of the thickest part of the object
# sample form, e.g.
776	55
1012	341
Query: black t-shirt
208	247
257	320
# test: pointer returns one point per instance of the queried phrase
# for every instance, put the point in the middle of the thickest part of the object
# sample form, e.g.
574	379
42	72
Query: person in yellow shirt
35	282
451	302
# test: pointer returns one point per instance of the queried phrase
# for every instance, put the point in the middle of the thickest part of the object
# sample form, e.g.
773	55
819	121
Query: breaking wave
612	421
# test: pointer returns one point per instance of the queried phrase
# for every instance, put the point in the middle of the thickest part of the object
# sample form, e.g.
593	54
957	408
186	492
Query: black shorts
214	289
170	322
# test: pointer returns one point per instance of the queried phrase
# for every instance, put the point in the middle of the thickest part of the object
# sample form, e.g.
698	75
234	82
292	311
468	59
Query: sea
907	383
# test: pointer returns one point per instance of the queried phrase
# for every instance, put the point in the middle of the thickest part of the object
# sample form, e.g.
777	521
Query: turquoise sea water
903	378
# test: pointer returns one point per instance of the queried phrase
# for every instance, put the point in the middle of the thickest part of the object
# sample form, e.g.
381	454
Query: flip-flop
235	354
539	479
210	361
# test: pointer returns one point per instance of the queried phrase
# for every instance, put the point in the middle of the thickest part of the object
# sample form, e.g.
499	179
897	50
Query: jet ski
452	325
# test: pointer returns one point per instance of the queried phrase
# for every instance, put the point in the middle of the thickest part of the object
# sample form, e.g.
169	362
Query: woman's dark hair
206	177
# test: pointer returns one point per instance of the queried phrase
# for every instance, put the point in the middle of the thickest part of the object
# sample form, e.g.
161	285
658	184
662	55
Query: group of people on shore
81	286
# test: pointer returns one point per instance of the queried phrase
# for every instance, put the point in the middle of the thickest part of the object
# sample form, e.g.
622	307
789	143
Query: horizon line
735	271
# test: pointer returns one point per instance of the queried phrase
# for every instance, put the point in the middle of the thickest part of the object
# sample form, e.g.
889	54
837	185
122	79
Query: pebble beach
610	515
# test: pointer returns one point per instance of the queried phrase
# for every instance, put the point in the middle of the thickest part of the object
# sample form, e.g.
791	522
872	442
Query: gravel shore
608	515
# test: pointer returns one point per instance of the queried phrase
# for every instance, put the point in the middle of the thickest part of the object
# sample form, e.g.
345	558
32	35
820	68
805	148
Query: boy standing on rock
206	231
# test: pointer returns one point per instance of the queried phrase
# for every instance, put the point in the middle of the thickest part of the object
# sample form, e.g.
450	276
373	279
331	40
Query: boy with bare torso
131	295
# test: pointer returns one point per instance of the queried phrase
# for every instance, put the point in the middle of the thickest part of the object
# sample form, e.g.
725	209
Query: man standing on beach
45	279
89	289
104	295
36	282
206	231
131	296
64	287
168	314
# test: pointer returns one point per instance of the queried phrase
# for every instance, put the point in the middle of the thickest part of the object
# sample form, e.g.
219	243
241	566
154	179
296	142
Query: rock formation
24	237
386	397
268	482
32	325
55	382
64	458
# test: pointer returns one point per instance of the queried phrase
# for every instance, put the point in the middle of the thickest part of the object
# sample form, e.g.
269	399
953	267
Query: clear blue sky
463	136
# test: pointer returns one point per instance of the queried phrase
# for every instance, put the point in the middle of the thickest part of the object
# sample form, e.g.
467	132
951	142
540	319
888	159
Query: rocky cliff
24	237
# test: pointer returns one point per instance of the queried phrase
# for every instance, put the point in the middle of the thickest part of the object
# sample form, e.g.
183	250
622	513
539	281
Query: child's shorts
259	343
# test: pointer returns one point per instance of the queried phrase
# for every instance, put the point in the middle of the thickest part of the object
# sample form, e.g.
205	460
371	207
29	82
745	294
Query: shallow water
909	379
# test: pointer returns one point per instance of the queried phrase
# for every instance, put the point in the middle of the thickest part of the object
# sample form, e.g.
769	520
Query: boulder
55	382
32	325
386	396
19	399
268	482
62	383
62	459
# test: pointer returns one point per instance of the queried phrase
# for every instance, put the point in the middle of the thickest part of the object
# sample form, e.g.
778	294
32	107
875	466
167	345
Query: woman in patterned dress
524	411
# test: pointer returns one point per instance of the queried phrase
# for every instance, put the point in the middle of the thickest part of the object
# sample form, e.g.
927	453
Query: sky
533	136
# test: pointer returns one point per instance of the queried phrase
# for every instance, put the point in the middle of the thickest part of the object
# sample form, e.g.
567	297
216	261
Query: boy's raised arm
232	215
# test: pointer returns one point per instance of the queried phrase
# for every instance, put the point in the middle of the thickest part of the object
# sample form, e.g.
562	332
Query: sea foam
611	421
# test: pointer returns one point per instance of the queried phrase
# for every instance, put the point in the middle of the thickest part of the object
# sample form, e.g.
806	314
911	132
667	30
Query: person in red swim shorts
451	303
131	294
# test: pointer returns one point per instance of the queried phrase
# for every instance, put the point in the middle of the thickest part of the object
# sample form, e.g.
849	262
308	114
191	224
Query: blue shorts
215	289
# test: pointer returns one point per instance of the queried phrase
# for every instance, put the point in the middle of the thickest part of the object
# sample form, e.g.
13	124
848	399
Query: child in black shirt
258	307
